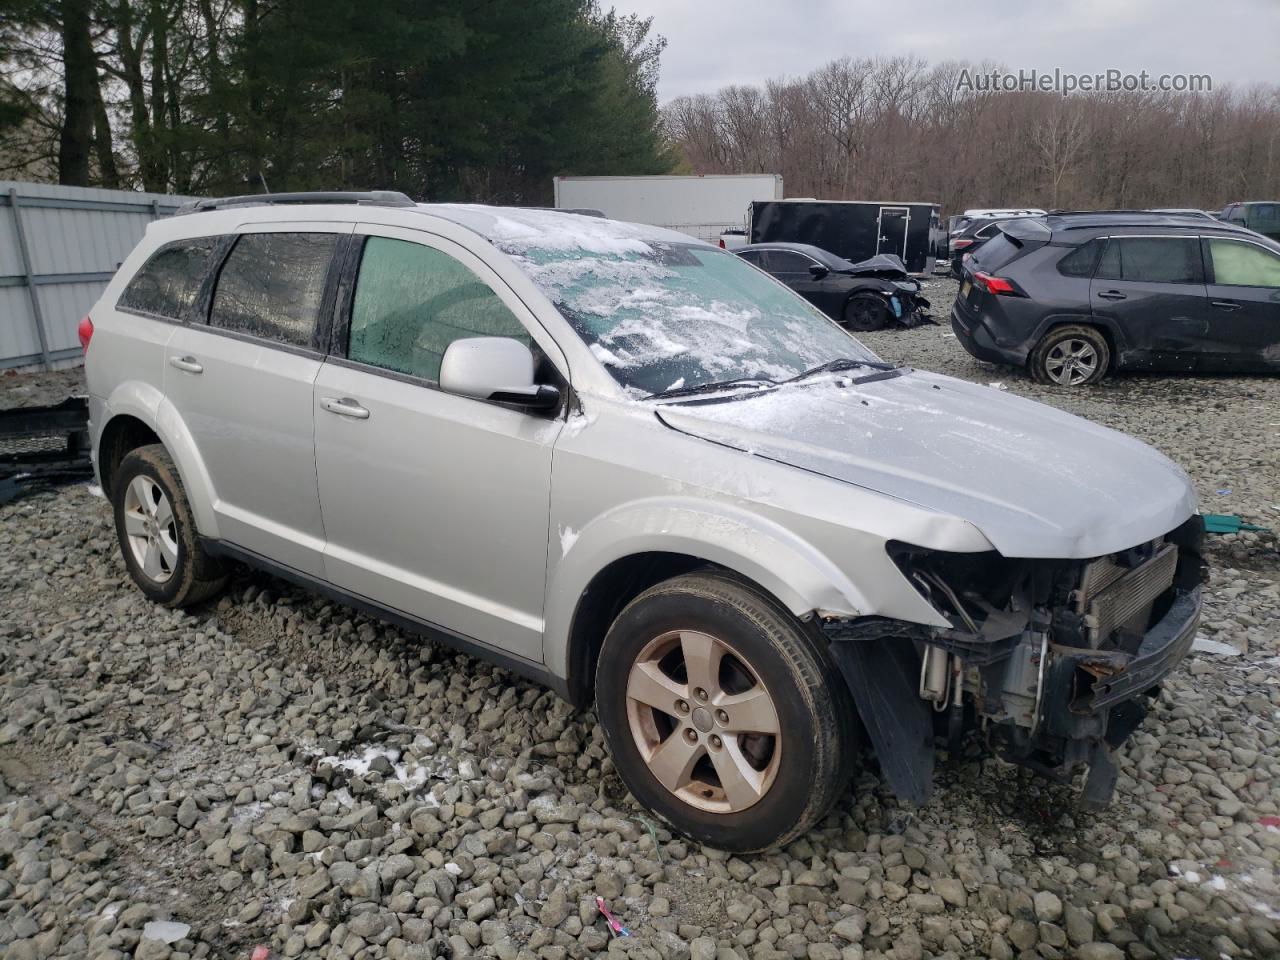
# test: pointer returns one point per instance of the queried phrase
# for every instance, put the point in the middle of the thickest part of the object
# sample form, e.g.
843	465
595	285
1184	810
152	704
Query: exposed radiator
1112	596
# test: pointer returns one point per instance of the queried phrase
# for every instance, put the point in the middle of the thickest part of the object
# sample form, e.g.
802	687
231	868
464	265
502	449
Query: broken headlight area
1052	662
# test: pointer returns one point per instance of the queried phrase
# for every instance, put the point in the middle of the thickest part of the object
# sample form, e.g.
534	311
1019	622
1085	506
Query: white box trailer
703	207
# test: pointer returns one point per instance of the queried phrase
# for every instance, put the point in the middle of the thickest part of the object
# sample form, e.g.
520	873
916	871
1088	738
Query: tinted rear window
996	253
272	284
168	283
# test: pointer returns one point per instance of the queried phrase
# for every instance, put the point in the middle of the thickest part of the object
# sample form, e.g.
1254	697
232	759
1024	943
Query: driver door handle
1112	295
187	364
1225	304
344	407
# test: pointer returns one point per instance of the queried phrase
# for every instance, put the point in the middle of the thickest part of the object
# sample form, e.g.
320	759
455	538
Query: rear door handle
186	364
344	407
1112	295
1225	304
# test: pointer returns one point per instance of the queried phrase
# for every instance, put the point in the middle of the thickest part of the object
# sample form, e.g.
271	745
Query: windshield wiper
710	386
841	363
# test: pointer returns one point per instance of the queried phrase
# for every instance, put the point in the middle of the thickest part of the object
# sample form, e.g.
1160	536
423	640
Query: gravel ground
277	770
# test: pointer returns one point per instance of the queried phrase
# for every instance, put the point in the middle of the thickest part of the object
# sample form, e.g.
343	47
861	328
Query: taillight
998	285
961	244
85	332
722	246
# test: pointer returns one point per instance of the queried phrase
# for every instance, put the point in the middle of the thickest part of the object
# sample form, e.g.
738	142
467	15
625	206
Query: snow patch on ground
166	931
1217	648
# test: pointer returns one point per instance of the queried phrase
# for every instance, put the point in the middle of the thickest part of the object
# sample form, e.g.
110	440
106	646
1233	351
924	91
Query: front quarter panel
624	484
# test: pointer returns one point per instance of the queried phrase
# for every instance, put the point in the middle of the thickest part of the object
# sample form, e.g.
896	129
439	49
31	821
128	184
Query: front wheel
723	713
866	312
1071	356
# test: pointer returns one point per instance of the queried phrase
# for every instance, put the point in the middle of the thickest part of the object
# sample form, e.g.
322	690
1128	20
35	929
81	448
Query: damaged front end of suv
1054	663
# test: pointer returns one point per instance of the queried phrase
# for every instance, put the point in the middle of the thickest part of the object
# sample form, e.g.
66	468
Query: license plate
965	288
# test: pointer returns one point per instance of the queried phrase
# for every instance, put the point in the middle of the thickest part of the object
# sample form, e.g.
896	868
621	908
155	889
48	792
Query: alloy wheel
1071	362
151	529
703	721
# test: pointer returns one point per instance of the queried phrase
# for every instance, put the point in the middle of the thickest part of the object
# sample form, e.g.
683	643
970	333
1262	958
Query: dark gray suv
1074	296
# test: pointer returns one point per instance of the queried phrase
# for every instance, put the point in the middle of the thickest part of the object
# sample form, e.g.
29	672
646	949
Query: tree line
487	100
449	100
901	129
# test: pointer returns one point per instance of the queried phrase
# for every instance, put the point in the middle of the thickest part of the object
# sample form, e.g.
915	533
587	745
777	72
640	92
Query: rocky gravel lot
277	771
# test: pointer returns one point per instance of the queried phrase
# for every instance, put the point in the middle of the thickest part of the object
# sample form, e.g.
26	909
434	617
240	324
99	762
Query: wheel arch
122	433
608	592
623	553
137	415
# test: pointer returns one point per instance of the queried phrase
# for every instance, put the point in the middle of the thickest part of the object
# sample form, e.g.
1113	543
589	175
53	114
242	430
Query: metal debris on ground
1227	523
43	445
615	927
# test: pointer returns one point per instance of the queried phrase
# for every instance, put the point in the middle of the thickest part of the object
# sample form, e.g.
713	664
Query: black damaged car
1074	296
868	295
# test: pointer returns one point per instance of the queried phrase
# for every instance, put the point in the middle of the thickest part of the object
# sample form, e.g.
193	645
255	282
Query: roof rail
379	198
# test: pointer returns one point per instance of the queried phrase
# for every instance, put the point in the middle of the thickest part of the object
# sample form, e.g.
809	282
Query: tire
866	312
165	560
779	784
1071	356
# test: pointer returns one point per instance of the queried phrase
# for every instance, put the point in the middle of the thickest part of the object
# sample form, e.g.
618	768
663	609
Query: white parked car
958	223
733	239
631	466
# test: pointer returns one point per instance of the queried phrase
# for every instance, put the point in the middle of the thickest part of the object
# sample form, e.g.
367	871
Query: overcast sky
714	43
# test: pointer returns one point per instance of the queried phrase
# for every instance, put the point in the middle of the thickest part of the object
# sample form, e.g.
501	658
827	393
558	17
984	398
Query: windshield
662	315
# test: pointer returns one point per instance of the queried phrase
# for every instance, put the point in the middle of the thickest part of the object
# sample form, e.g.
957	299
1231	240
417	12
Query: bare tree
1060	137
896	128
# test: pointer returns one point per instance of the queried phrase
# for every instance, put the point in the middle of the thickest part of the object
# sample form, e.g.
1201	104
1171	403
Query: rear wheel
1070	356
723	713
157	534
866	312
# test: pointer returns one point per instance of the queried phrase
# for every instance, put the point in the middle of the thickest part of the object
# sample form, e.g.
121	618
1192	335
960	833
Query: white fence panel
59	247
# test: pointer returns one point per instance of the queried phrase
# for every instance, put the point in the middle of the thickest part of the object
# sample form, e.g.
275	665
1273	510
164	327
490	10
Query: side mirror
495	368
817	271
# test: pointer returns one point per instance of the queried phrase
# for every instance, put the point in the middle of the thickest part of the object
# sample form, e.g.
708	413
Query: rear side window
412	301
1081	261
1238	264
1151	260
168	283
271	286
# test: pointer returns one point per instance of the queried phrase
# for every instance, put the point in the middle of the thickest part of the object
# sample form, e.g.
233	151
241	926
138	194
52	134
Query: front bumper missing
1162	649
1081	704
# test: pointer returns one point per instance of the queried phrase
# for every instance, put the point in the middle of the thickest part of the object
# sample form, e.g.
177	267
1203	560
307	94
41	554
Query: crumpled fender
143	401
800	576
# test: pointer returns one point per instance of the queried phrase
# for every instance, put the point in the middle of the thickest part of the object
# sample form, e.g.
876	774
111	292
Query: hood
1036	481
885	265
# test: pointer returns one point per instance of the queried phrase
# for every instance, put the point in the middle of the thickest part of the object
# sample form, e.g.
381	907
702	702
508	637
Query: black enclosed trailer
854	229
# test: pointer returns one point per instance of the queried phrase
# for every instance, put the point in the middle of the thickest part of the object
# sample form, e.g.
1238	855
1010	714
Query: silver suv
634	467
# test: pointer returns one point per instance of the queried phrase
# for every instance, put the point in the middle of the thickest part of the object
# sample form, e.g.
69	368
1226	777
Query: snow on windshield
664	313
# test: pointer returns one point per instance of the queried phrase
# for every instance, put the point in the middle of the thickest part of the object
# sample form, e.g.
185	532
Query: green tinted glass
412	301
1237	264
